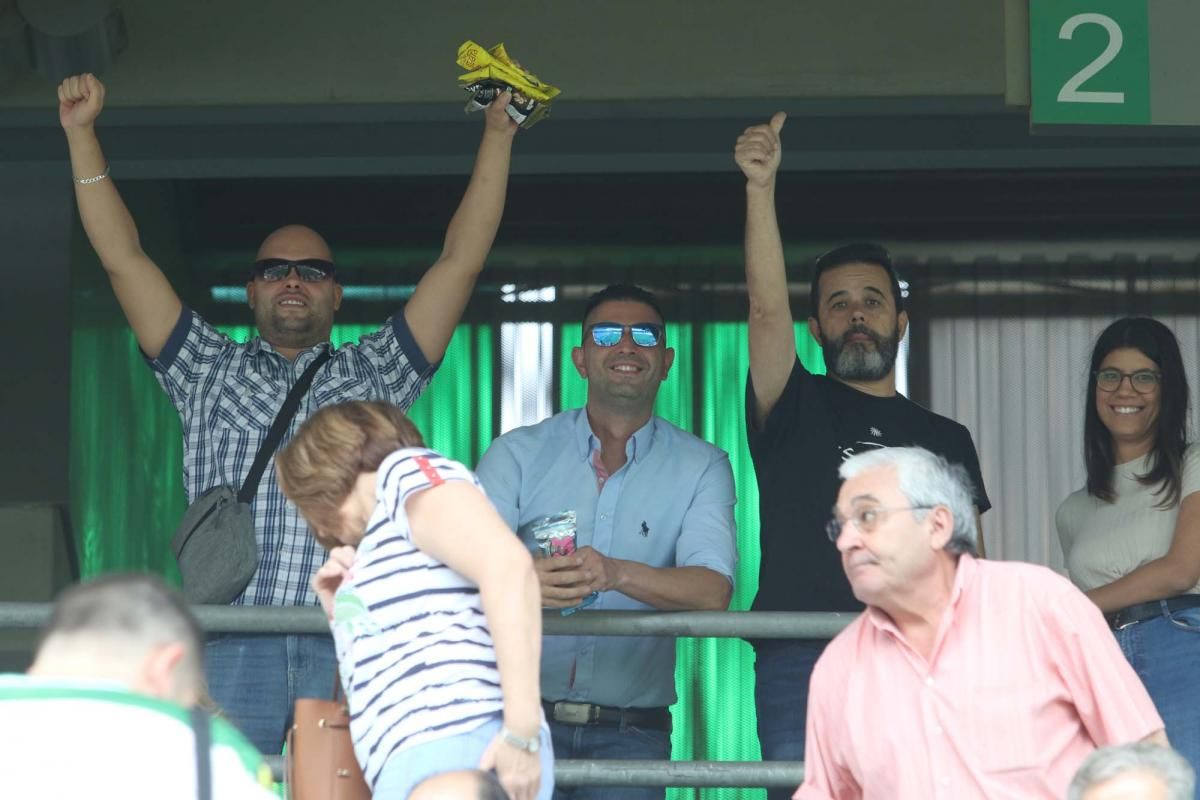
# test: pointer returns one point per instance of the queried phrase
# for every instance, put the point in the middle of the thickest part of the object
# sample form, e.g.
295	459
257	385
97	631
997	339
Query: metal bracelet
530	745
94	178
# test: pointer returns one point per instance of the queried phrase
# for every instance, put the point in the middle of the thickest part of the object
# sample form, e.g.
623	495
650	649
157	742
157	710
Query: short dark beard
292	333
850	361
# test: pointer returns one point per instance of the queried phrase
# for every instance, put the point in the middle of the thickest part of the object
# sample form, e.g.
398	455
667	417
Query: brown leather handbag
320	755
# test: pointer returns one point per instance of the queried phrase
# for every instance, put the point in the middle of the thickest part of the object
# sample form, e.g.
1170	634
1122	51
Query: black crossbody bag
214	544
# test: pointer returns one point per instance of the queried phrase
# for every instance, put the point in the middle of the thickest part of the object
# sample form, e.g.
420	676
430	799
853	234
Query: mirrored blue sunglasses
311	270
644	334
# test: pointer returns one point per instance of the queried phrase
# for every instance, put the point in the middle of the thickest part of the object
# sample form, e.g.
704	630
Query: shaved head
295	242
294	314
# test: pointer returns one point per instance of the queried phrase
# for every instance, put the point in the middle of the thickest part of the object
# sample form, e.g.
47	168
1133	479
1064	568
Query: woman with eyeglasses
434	605
1131	536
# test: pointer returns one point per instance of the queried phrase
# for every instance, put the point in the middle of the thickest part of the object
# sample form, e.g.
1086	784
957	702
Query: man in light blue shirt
653	520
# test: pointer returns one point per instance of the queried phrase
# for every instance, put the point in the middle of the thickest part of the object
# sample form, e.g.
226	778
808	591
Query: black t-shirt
816	424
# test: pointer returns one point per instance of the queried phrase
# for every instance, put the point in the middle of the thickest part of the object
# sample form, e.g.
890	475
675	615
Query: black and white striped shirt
413	644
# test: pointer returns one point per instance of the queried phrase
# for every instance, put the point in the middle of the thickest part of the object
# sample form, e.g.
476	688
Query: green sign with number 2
1090	62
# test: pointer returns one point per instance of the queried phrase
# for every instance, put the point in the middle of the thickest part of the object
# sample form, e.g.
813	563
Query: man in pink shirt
963	678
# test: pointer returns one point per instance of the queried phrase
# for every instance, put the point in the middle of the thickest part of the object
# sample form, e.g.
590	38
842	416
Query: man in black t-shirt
802	426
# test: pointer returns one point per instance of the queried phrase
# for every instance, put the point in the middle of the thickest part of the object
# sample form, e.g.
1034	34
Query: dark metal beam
669	136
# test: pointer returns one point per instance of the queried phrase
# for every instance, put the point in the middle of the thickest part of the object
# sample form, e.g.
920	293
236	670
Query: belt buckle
1122	620
573	713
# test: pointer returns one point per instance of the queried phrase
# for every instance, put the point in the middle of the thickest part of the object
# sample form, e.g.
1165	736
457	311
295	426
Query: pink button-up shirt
1023	682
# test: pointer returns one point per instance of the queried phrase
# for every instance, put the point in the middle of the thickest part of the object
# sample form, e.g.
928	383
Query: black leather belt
569	713
1131	615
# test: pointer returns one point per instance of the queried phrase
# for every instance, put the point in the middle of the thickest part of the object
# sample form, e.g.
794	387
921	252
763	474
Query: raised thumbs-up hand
758	151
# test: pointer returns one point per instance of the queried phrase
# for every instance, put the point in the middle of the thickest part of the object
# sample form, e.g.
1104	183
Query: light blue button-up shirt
670	505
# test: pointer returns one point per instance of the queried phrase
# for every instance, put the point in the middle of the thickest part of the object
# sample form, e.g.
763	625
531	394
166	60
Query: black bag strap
202	733
282	420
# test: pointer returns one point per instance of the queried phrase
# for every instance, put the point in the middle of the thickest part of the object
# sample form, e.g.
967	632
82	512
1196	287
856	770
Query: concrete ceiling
283	88
272	52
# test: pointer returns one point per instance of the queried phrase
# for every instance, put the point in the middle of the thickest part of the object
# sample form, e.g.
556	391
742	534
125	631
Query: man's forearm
443	292
106	220
145	295
673	588
473	228
772	342
766	278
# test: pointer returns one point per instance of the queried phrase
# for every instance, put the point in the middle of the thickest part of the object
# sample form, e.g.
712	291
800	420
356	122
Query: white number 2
1070	92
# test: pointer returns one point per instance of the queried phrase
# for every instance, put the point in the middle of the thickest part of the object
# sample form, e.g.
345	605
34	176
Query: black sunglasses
311	270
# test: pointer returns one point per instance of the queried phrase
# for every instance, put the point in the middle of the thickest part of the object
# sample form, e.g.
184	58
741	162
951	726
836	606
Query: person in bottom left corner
108	708
434	604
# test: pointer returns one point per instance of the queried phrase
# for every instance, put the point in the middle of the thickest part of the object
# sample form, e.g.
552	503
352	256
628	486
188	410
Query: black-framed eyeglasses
1143	381
311	270
608	334
866	519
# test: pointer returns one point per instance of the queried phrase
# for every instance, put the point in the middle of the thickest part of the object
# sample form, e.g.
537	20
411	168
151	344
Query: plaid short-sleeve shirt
227	395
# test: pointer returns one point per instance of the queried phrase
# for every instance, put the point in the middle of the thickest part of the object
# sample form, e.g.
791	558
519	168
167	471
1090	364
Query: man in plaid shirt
227	394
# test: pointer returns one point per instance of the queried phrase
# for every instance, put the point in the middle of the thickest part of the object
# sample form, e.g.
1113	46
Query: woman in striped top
433	602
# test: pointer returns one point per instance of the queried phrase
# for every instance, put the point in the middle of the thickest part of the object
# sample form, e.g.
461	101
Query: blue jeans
782	668
405	769
255	680
604	742
1165	653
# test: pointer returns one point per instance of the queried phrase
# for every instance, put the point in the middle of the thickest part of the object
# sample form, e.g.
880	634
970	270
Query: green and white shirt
70	739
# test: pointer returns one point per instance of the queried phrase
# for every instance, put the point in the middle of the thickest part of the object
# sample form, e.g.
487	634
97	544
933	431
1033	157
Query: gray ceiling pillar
67	37
36	222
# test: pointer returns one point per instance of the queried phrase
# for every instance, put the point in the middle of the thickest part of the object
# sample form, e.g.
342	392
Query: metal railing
720	624
570	773
567	772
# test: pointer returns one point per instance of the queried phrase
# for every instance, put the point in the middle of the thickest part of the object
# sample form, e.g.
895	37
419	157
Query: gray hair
926	479
463	784
1154	759
126	613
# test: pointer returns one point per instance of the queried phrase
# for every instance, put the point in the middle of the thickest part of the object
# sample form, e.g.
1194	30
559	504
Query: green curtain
455	412
715	677
126	451
126	443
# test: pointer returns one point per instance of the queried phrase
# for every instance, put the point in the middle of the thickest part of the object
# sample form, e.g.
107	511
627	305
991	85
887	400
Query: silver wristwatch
530	745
